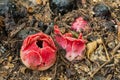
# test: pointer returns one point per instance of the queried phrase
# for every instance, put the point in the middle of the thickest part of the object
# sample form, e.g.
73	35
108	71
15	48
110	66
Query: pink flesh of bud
38	56
74	47
79	24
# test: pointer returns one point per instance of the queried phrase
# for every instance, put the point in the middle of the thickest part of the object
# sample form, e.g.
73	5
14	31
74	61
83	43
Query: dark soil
24	18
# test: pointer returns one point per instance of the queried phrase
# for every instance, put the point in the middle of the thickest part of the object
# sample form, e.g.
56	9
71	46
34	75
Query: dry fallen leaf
98	55
90	48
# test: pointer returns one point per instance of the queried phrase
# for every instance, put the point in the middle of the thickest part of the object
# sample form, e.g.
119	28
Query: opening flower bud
38	52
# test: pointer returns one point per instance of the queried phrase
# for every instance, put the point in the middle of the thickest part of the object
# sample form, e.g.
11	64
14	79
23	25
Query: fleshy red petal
77	50
59	38
32	59
61	41
48	58
68	35
56	30
74	47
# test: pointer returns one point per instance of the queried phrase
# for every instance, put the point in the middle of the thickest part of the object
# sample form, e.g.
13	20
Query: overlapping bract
38	51
74	47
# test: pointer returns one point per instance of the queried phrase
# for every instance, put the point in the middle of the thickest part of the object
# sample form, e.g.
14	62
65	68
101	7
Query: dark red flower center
39	43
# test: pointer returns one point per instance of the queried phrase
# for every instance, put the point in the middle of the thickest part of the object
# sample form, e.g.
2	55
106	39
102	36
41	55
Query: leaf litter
101	61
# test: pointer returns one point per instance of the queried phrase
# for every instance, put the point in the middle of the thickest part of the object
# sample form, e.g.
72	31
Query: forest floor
102	63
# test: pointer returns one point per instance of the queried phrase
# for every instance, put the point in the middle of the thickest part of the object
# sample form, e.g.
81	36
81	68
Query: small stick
113	52
115	49
15	31
100	67
106	51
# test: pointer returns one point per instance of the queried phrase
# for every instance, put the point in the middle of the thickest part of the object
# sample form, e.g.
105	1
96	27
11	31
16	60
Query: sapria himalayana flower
79	24
38	52
74	47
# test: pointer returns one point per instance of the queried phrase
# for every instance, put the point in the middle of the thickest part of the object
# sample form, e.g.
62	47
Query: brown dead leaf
98	55
90	48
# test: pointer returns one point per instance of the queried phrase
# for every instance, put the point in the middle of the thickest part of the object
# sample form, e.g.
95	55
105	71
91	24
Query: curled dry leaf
98	55
91	47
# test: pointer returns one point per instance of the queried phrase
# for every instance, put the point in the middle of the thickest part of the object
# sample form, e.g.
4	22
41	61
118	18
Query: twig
33	28
115	49
100	67
118	28
15	31
106	51
113	52
109	77
54	75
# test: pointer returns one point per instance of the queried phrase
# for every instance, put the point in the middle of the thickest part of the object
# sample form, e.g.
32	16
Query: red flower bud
79	24
38	52
74	47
